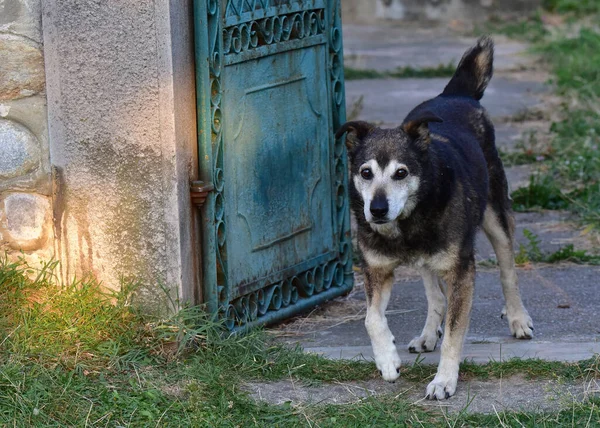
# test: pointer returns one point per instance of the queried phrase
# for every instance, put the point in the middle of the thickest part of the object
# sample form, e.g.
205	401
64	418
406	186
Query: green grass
578	7
568	177
528	28
75	355
571	178
442	70
531	252
527	150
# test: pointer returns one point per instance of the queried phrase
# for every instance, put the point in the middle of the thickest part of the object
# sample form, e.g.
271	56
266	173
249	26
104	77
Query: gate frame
258	307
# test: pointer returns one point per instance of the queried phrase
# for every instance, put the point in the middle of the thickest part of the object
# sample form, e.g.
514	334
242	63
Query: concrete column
122	127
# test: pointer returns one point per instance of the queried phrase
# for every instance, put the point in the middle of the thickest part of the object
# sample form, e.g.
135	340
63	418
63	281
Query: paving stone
387	47
388	101
480	353
563	302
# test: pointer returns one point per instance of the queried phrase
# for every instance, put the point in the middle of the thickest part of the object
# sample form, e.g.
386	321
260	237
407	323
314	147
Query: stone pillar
122	125
25	208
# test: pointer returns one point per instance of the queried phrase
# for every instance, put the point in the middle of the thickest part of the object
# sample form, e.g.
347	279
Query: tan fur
439	137
378	288
521	325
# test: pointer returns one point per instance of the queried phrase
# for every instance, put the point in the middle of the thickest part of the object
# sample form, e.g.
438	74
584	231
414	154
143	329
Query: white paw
520	323
388	364
426	342
442	387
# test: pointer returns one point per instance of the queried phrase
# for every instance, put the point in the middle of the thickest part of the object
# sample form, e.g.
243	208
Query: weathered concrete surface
427	10
388	101
121	96
562	301
480	353
387	47
514	393
517	87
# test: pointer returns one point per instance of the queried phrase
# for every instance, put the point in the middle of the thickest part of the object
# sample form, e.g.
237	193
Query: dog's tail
474	70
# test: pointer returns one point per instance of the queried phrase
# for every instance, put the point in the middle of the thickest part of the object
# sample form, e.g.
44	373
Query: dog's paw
520	323
389	365
426	342
441	387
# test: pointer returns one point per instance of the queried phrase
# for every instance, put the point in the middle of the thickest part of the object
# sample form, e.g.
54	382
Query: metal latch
199	191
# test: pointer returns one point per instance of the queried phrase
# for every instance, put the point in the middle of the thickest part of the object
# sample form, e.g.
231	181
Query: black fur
446	182
454	155
474	71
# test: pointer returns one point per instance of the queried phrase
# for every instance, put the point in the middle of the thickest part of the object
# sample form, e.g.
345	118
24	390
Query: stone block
19	150
22	17
21	67
25	220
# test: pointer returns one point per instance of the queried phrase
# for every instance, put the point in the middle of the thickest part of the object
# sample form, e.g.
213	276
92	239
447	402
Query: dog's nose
379	206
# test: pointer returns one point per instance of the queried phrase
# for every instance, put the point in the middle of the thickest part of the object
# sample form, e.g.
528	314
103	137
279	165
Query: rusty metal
199	191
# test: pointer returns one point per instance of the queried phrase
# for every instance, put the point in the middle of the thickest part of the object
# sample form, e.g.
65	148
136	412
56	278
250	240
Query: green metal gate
270	90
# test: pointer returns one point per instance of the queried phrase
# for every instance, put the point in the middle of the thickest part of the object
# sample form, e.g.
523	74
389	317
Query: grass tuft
442	70
73	324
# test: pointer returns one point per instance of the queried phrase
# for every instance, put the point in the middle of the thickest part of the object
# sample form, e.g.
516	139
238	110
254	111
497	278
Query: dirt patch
515	393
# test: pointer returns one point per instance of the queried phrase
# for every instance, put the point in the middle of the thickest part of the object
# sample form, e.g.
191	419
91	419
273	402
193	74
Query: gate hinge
199	191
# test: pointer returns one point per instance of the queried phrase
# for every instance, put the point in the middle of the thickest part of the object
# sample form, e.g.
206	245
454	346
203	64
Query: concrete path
563	299
493	396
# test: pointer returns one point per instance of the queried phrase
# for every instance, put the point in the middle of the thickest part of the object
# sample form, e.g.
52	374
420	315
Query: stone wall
98	142
25	184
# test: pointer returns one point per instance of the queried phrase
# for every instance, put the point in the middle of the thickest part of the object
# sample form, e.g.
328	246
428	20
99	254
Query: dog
420	193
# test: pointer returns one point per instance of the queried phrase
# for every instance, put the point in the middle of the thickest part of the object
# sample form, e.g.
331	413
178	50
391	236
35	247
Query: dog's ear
417	127
356	132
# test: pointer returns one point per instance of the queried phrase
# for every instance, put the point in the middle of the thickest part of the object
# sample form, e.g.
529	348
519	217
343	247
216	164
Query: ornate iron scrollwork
244	27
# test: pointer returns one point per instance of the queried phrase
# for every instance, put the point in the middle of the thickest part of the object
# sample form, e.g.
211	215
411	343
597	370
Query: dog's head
386	165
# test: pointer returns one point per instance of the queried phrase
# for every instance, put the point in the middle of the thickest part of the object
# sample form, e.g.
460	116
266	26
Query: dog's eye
366	173
400	174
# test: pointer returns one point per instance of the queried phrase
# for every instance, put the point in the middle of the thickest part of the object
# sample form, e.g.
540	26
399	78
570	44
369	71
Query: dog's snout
379	206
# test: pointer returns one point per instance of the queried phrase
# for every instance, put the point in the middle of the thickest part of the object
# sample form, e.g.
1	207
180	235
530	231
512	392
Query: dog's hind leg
378	288
436	308
501	238
461	282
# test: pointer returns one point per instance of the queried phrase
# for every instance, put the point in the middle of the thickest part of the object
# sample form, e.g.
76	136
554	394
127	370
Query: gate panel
276	229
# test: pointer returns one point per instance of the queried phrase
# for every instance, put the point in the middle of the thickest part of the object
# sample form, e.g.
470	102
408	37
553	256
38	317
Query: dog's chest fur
415	241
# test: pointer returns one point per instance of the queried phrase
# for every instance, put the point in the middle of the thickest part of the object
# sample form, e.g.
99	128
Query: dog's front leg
436	307
461	281
378	288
